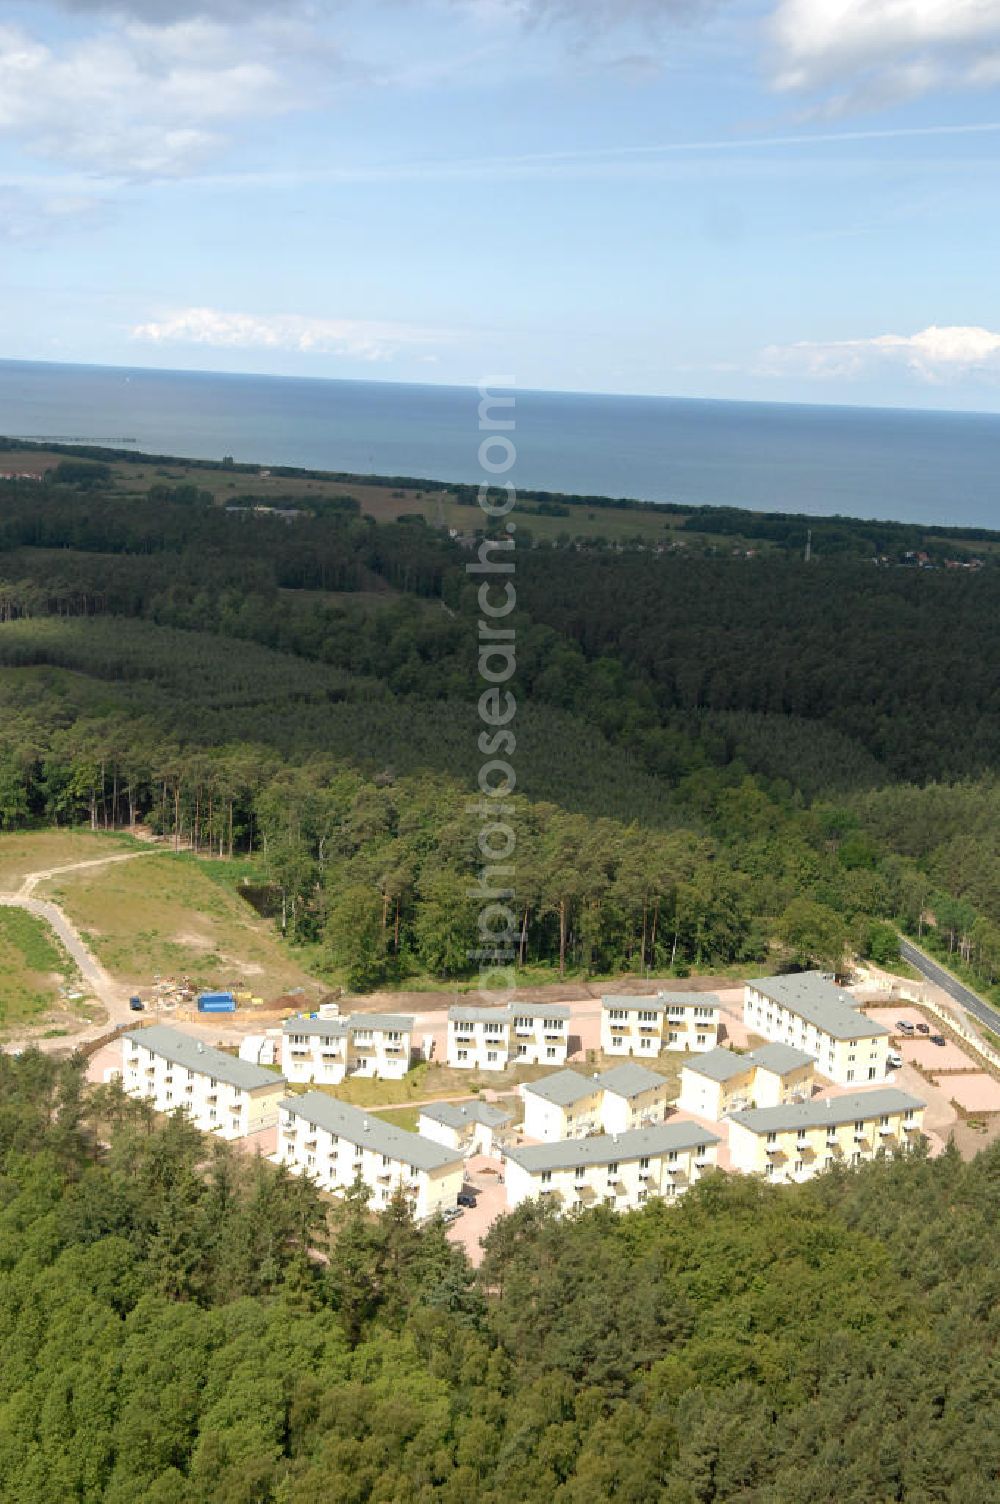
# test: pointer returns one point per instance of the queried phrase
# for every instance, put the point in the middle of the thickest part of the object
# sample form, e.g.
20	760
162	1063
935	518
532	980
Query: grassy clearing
33	966
402	1117
170	916
29	851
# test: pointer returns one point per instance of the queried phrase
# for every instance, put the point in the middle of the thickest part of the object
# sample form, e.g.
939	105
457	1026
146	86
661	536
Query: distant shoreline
748	529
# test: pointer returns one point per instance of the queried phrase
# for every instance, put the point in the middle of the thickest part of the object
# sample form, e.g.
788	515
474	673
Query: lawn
167	916
33	967
29	851
402	1117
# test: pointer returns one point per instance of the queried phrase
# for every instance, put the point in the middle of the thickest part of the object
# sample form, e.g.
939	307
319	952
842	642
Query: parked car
466	1198
449	1213
135	1003
903	1026
938	1039
894	1060
923	1028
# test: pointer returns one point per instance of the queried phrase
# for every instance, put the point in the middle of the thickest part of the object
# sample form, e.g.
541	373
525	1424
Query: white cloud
363	339
863	53
139	100
939	353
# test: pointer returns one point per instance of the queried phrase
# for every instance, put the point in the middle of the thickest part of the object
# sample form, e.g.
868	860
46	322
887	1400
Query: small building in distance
643	1026
489	1039
218	1092
621	1170
722	1081
324	1049
568	1104
808	1011
336	1144
793	1143
468	1127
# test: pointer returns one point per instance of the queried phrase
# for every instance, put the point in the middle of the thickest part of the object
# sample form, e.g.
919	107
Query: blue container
216	1002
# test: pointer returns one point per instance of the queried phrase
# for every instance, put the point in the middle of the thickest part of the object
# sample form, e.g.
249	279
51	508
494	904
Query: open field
33	967
165	915
24	852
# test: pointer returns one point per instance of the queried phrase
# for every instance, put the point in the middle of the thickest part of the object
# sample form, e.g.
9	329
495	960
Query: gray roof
608	1148
339	1028
182	1049
835	1110
561	1011
461	1114
781	1058
401	1021
564	1087
322	1028
630	1080
459	1014
820	1003
721	1064
364	1128
662	1002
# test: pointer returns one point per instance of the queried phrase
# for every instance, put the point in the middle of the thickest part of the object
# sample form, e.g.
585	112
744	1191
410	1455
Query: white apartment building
218	1092
324	1050
336	1144
539	1033
721	1082
478	1038
620	1170
568	1104
811	1013
488	1039
467	1127
634	1097
795	1142
644	1026
563	1105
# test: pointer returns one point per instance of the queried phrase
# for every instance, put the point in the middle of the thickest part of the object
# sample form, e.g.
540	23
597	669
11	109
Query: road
984	1012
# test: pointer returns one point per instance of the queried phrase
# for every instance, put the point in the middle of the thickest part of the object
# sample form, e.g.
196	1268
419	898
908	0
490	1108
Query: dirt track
111	994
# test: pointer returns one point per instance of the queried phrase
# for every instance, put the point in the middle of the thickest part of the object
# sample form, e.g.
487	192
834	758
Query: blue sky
777	199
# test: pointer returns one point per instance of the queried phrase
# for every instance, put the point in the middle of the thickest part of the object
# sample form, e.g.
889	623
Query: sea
889	464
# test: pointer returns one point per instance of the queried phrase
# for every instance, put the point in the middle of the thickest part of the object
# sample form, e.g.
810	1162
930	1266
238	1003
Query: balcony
911	1127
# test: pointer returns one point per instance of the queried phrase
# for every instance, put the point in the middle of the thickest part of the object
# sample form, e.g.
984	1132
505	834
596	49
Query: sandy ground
975	1091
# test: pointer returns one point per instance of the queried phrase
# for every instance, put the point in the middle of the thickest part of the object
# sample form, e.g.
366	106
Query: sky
788	200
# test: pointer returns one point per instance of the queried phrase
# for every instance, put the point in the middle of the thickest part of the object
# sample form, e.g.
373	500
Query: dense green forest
720	760
176	1328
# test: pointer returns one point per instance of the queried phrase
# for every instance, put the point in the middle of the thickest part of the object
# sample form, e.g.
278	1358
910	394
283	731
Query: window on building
546	1177
613	1167
798	1166
644	1162
550	1053
463	1054
871	1073
850	1075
